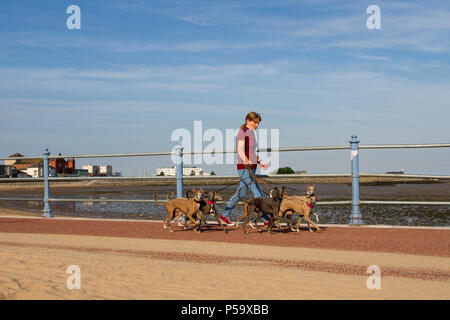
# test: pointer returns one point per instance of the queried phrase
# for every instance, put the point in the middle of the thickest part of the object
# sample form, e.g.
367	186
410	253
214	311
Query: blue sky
138	70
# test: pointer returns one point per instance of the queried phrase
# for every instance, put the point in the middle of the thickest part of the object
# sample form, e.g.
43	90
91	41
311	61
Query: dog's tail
156	201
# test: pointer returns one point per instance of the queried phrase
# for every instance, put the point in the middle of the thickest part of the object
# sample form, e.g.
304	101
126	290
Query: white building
33	172
92	169
165	171
36	172
106	170
187	171
102	170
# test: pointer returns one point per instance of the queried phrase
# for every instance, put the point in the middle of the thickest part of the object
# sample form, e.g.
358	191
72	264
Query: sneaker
226	220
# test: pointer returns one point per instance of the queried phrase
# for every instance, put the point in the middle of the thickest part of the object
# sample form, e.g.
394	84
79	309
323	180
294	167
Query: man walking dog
247	159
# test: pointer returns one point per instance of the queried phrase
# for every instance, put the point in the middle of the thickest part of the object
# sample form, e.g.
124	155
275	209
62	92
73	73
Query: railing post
356	218
179	169
47	208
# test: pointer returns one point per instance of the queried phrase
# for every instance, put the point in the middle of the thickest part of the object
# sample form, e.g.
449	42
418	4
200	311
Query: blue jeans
254	188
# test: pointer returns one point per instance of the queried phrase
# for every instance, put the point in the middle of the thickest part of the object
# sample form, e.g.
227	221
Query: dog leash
247	184
259	179
267	183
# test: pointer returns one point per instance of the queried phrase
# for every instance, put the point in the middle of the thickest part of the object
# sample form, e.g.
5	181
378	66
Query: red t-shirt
250	145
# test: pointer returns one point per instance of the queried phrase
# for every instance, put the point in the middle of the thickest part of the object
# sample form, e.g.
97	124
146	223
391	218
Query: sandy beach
141	260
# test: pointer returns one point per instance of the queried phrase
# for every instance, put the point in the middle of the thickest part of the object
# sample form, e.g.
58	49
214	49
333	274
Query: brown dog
302	206
310	190
207	207
188	206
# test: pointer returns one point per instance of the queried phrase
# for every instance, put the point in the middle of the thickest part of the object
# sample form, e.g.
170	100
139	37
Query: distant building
22	166
106	170
81	172
93	170
8	171
15	155
165	171
98	170
34	167
36	172
192	171
187	171
63	166
396	172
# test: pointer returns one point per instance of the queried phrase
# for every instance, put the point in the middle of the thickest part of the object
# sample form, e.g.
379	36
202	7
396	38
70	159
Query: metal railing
356	217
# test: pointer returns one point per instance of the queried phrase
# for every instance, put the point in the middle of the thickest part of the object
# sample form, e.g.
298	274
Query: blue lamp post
356	218
179	171
47	208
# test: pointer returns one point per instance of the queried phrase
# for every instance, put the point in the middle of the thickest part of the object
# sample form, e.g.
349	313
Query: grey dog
270	206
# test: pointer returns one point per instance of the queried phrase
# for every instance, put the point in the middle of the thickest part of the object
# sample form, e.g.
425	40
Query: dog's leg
202	219
278	225
281	217
196	226
289	220
250	210
271	221
193	221
166	221
244	214
258	217
272	218
170	213
239	220
297	226
278	219
308	219
198	216
178	214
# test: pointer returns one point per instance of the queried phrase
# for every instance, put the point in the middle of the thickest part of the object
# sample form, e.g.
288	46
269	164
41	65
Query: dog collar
210	202
309	205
